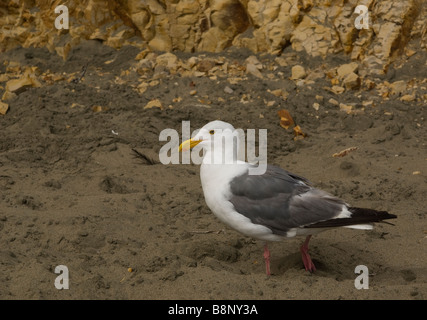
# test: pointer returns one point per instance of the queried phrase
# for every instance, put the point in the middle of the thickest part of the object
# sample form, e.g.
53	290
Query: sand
73	193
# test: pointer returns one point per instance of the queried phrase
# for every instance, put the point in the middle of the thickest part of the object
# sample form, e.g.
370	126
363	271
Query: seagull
272	206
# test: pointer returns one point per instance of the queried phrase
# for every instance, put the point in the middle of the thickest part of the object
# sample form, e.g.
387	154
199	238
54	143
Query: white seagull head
219	140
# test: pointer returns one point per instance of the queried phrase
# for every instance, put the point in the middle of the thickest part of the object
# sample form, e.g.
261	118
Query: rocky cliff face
318	27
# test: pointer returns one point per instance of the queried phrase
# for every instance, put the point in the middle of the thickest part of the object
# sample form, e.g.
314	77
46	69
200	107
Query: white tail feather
361	226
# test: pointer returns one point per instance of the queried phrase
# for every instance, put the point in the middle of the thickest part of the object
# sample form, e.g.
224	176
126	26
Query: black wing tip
359	216
375	215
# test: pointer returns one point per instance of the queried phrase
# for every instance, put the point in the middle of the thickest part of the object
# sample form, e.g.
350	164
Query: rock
408	97
205	65
337	89
313	35
346	69
333	102
28	79
273	23
316	106
192	62
279	93
409	52
351	81
369	103
281	61
253	66
254	60
298	72
345	107
224	20
3	108
397	87
253	70
8	96
373	65
168	60
228	90
318	28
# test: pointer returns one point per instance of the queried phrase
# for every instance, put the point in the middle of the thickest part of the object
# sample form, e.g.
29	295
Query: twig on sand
84	68
207	231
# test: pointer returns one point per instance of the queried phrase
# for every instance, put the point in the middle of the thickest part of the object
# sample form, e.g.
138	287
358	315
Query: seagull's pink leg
308	264
267	259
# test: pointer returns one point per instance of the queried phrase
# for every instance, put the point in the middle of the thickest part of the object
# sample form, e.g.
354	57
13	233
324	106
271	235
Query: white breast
216	188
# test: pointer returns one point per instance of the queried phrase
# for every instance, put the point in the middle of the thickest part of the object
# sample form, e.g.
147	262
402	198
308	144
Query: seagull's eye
211	132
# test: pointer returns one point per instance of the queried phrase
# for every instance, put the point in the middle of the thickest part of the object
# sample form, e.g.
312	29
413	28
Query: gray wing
281	200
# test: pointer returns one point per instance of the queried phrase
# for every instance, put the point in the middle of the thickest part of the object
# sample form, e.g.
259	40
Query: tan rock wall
318	27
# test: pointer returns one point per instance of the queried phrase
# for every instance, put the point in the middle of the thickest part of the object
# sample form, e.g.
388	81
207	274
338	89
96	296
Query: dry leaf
279	93
96	108
285	119
119	81
124	73
344	152
234	80
298	133
154	103
335	81
245	98
205	101
73	105
50	78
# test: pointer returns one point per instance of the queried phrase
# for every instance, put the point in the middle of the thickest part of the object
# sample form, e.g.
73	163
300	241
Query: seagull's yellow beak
189	144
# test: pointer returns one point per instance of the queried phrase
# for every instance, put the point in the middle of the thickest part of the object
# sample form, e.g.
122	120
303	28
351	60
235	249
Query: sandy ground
73	193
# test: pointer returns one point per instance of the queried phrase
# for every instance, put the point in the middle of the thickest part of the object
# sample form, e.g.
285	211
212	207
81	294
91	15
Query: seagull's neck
220	156
217	176
219	167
